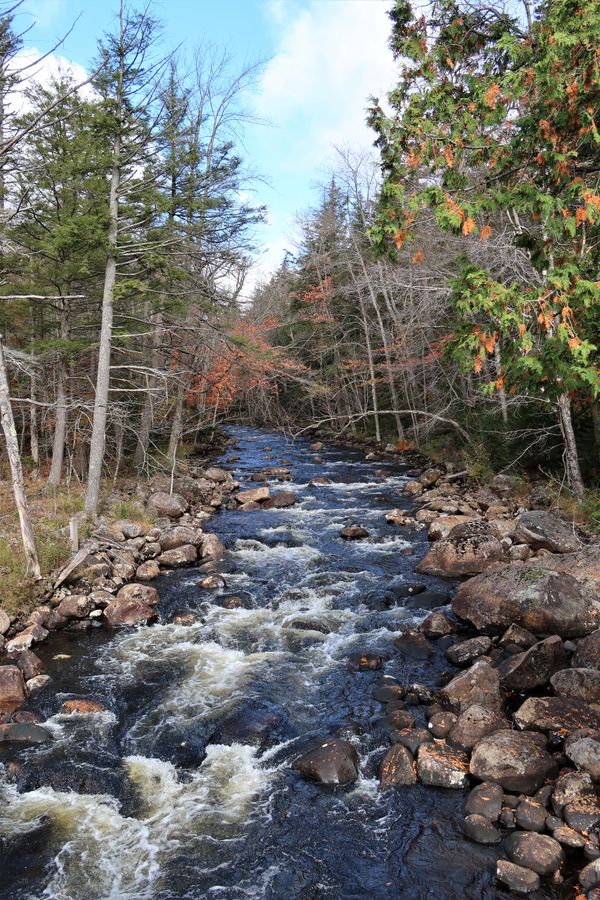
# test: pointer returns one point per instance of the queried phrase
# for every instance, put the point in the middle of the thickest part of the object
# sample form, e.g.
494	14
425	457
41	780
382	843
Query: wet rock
315	625
81	706
413	488
517	637
169	506
441	724
585	753
212	582
473	724
534	667
411	738
466	652
568	837
253	495
480	830
543	530
242	600
398	517
587	655
563	714
129	611
254	726
538	852
281	500
589	877
56	622
142	592
33	634
365	662
468	549
414	645
518	761
441	527
12	688
333	762
212	547
76	606
398	719
571	786
24	734
179	536
397	768
354	533
185	619
427	600
29	664
436	625
478	686
582	814
517	878
148	571
584	684
485	800
37	683
530	816
317	445
539	600
388	689
215	473
442	766
182	556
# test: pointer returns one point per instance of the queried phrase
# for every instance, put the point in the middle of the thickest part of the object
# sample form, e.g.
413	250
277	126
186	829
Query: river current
155	799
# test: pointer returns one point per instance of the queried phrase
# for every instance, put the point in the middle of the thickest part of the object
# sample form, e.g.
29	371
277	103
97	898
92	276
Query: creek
155	797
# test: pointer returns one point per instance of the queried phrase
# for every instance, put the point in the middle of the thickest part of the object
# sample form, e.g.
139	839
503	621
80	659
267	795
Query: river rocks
24	733
253	495
571	786
142	592
539	600
333	762
568	837
92	566
537	852
12	688
531	815
478	686
517	637
212	547
514	760
414	645
587	655
33	634
397	768
517	878
533	667
563	714
589	877
436	625
479	829
441	527
584	684
485	800
440	724
543	530
81	706
468	549
179	536
354	533
76	606
281	500
411	738
585	753
413	488
398	517
132	607
148	571
4	622
178	558
466	652
215	473
253	725
29	664
473	724
169	506
442	766
426	600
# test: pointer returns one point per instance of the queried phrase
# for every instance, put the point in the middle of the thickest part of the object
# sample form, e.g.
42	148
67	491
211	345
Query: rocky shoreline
518	723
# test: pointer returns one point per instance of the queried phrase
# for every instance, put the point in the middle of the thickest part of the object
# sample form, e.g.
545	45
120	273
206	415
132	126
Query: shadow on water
182	788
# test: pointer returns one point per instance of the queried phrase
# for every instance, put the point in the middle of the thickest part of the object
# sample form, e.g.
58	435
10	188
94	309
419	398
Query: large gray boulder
543	530
542	601
170	506
468	549
517	761
533	668
478	686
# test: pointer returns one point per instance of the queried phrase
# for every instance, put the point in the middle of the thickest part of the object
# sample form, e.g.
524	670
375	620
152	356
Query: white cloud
41	71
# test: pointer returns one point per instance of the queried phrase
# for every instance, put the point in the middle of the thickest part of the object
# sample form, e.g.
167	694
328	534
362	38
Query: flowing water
155	797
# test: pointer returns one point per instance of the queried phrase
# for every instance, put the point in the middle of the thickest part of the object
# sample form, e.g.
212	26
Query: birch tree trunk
571	456
16	471
33	426
596	427
60	424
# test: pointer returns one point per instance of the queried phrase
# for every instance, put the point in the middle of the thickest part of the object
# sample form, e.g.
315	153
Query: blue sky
323	58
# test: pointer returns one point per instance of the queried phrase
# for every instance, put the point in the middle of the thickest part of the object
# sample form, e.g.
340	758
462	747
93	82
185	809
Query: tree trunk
177	426
33	426
147	413
570	456
16	470
501	391
596	427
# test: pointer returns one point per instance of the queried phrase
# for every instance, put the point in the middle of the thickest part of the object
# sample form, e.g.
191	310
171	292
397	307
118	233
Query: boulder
29	664
563	714
4	622
93	565
466	652
397	768
583	565
479	829
354	533
179	558
437	624
540	529
141	592
12	688
538	852
178	536
473	724
585	753
77	606
468	550
478	686
530	815
169	506
414	645
150	550
571	786
398	517
148	571
584	684
24	733
212	547
515	760
131	530
215	473
534	667
411	738
485	800
517	878
583	814
515	636
37	683
440	724
587	654
568	837
129	611
441	527
253	495
333	762
442	766
589	877
540	600
281	500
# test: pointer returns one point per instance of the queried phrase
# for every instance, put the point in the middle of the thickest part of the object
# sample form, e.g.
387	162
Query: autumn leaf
580	215
418	258
448	156
500	382
399	238
491	95
478	364
469	226
485	233
522	329
490	343
574	342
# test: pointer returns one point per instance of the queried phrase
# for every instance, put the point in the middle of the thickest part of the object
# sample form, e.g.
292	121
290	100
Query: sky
321	60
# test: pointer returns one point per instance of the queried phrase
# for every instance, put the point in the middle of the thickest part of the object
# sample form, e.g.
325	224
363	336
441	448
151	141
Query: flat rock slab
543	530
397	768
564	714
517	761
534	667
539	600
